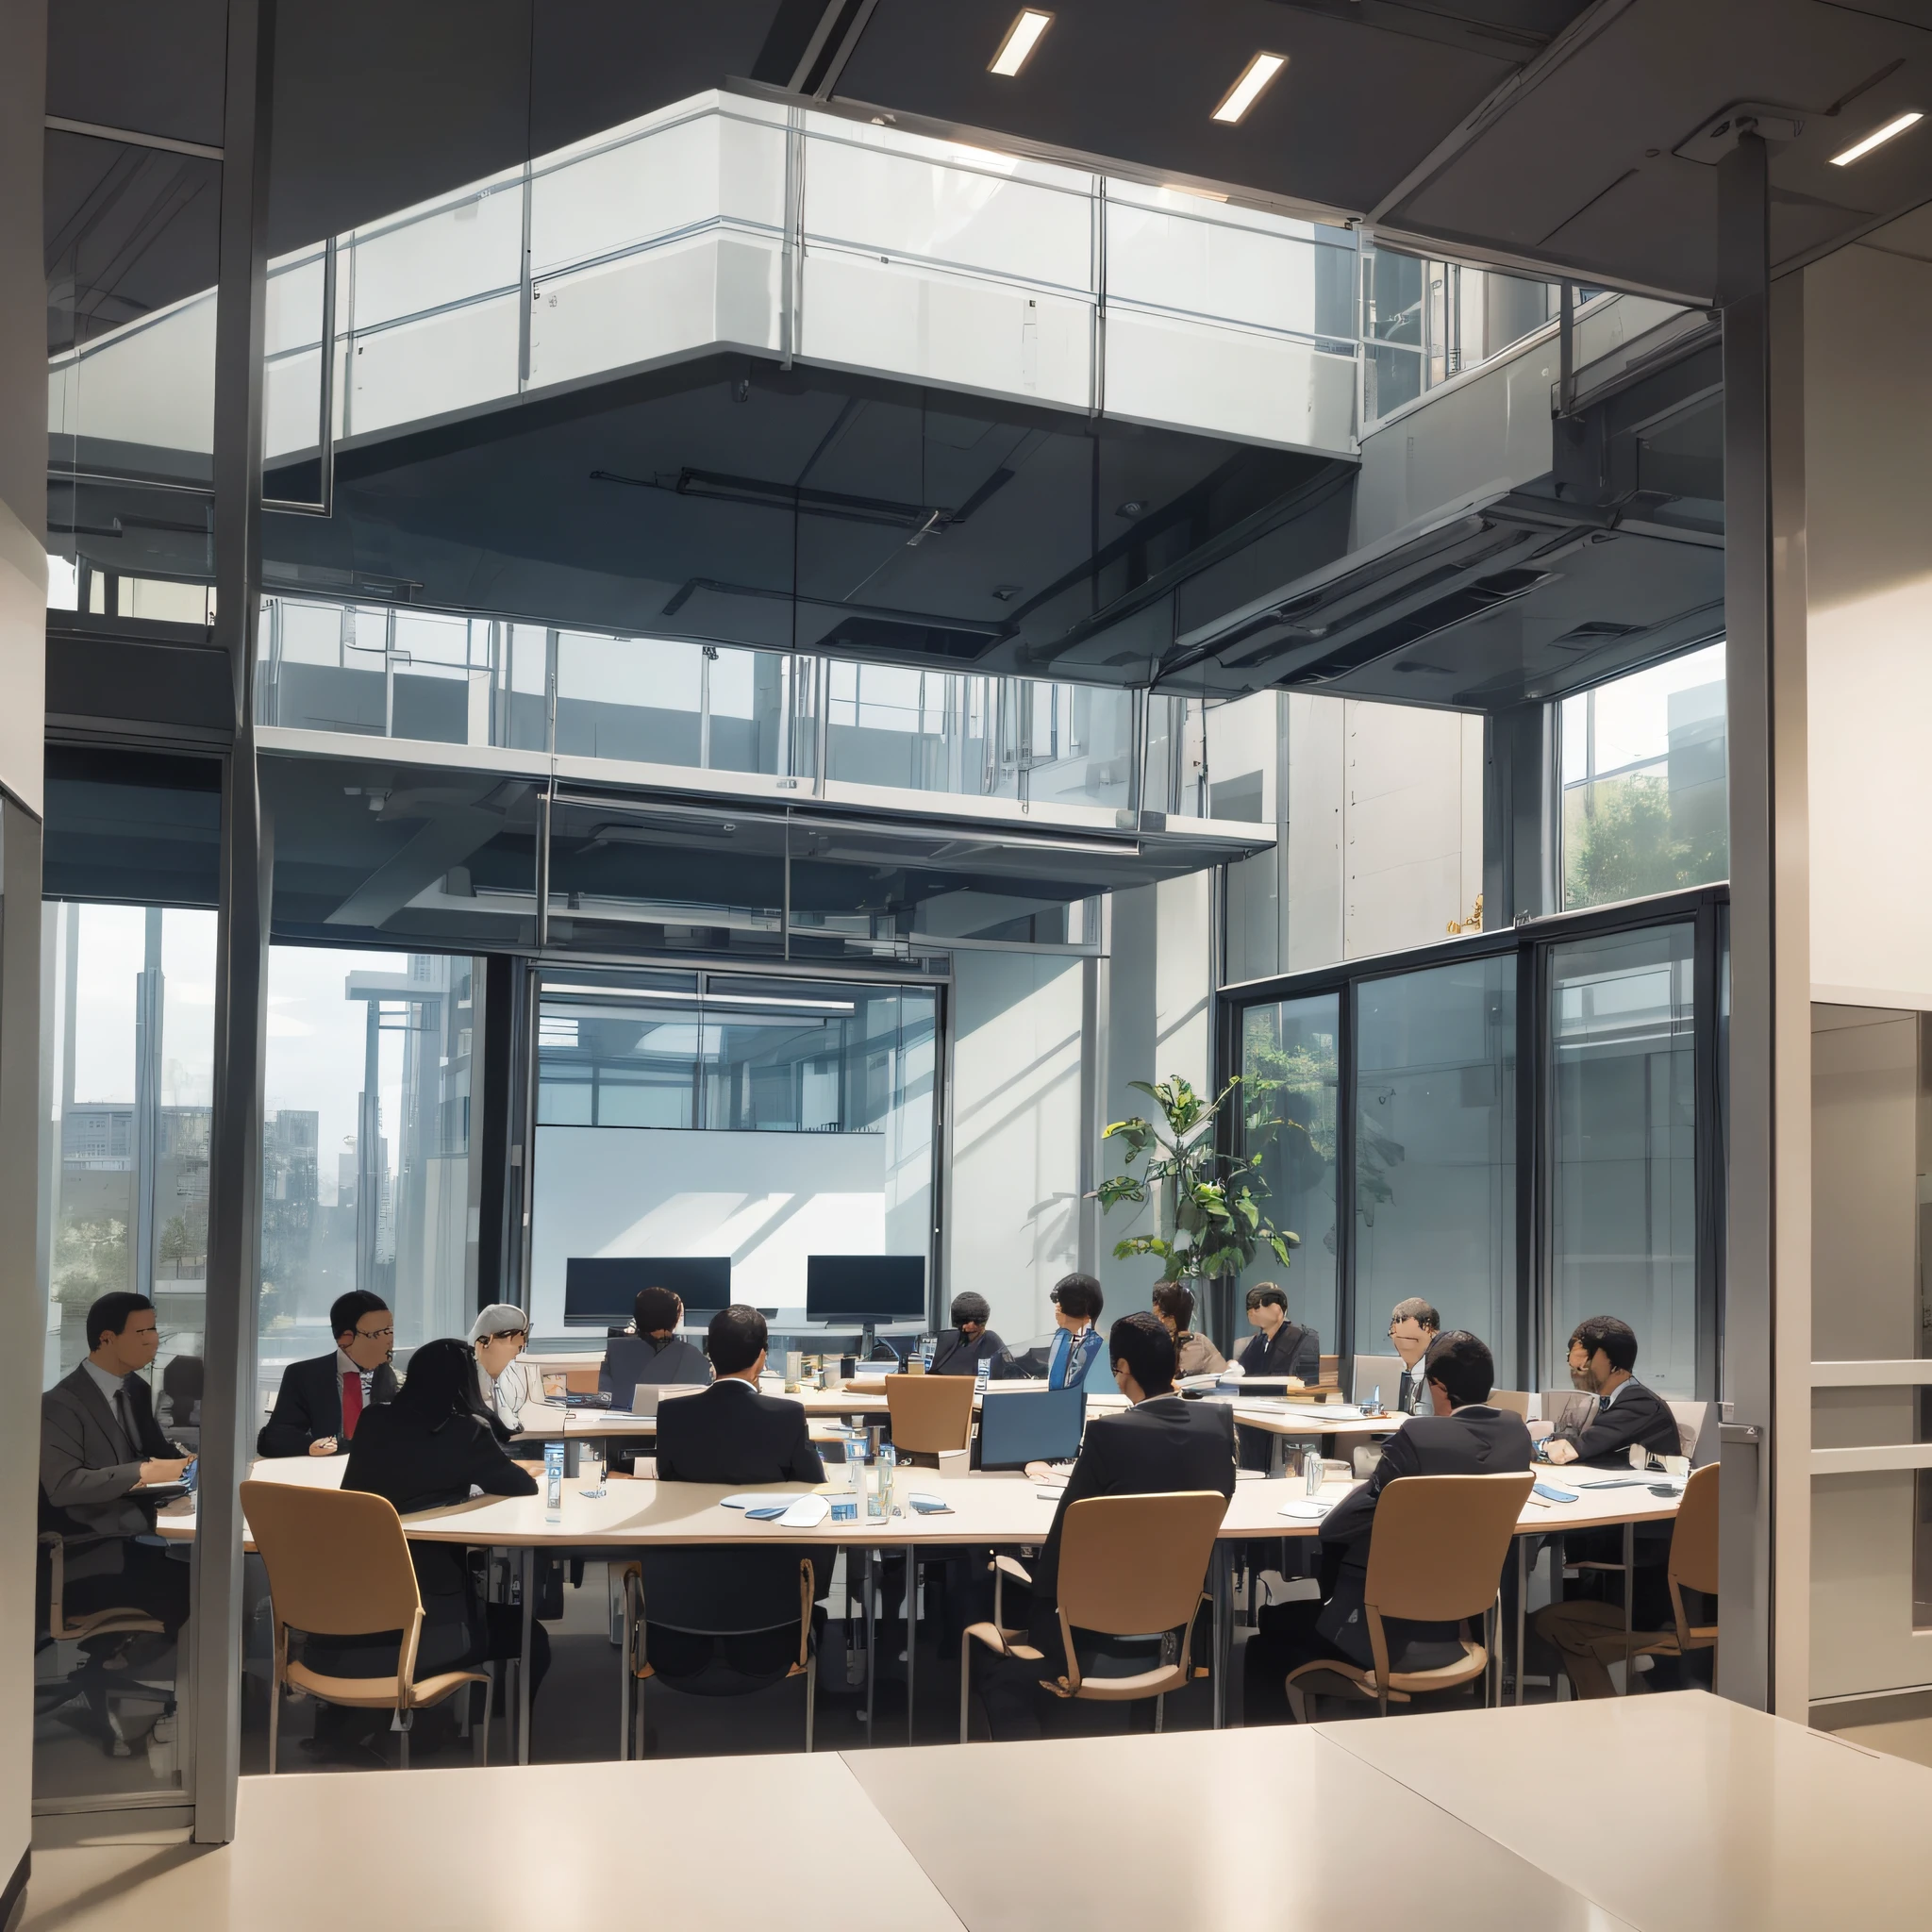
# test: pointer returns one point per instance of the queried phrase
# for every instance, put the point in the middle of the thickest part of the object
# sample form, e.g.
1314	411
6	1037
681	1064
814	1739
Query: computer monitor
866	1289
1031	1424
602	1289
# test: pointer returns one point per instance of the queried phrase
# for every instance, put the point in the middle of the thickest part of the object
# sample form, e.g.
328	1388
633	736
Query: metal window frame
1702	907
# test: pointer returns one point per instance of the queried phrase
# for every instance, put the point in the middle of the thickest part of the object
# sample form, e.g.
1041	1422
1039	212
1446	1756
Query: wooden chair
1130	1566
715	1592
930	1413
1436	1555
339	1566
1515	1400
580	1381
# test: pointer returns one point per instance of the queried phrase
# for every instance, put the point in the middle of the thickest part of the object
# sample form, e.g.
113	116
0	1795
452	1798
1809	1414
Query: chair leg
275	1714
489	1686
638	1707
1159	1713
1298	1702
405	1749
965	1681
811	1687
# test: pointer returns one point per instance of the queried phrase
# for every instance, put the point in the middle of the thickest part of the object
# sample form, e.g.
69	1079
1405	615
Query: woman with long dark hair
428	1449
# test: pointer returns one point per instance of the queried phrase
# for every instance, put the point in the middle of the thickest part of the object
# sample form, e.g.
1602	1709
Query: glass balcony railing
375	670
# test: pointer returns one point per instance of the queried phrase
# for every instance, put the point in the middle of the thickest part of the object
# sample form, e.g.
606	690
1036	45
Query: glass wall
127	1069
1646	807
367	1180
659	1093
1435	1149
1287	1116
1622	1072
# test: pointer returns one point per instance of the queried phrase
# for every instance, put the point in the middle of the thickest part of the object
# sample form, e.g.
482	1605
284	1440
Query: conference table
982	1508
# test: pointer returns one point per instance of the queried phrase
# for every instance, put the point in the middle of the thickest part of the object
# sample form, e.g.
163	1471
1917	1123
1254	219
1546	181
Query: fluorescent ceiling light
1875	139
1248	90
1022	38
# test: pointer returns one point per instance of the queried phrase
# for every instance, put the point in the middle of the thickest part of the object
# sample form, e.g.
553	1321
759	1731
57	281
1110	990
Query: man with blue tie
1077	1344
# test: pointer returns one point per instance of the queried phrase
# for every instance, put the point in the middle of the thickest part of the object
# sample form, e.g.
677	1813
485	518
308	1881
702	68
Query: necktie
352	1403
124	1414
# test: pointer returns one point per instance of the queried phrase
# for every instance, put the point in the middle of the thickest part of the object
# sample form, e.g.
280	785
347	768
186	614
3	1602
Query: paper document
807	1512
754	1499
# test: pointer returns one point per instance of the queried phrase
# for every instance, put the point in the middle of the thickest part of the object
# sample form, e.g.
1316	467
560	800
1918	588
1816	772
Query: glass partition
657	1097
1287	1115
1622	1072
1435	1149
127	1069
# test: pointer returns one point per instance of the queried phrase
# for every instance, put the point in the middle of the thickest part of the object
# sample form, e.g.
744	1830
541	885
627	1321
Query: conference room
922	918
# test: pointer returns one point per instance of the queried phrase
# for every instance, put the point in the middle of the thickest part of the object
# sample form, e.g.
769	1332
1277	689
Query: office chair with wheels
1130	1566
715	1599
95	1681
1436	1556
339	1565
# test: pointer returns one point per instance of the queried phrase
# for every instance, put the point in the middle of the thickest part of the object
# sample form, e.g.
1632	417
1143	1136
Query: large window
1288	1117
1435	1149
720	1113
366	1178
1644	802
1622	1099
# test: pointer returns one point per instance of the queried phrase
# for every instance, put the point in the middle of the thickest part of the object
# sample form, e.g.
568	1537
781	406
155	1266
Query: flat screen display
1021	1425
600	1289
864	1288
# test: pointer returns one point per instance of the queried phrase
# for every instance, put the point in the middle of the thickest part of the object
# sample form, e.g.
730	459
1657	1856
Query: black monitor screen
599	1289
1021	1425
865	1288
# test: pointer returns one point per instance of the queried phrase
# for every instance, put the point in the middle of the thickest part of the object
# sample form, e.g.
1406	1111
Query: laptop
1030	1424
646	1397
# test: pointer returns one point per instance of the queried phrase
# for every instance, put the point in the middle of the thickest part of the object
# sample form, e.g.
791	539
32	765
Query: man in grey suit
100	1446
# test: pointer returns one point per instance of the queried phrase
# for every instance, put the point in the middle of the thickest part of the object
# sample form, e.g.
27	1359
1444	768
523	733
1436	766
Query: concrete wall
23	663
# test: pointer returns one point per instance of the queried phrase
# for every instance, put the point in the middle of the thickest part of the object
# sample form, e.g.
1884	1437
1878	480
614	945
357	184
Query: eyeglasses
507	1335
375	1335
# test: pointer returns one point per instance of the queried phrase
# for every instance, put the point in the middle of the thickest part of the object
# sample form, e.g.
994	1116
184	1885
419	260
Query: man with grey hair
502	1384
1413	1325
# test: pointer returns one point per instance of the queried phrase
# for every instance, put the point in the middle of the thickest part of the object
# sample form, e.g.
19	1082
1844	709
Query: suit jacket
89	1467
629	1360
1293	1351
1082	1350
1477	1441
309	1406
733	1434
1413	1391
1638	1415
954	1356
420	1466
1158	1446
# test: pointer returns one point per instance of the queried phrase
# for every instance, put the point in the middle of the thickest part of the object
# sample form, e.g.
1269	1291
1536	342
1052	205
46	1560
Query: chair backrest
1695	1431
1132	1565
1373	1371
337	1559
1693	1561
1331	1377
722	1591
1437	1550
1515	1400
580	1381
930	1412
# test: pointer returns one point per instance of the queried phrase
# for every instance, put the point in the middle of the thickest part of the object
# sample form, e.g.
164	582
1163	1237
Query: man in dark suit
100	1447
1602	1353
1462	1437
1413	1325
731	1433
656	1354
321	1400
1278	1347
968	1341
1161	1445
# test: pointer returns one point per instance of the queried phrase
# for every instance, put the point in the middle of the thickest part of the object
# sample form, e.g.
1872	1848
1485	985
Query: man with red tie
322	1400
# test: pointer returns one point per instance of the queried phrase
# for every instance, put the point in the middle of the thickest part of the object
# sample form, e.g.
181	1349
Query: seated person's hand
1296	1382
1559	1452
323	1445
163	1469
1043	1472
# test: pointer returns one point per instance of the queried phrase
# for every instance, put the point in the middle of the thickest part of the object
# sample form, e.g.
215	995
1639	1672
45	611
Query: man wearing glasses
1412	1328
320	1401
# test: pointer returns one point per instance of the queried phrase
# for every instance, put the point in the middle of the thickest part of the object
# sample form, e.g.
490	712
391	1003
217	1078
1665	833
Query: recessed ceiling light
1875	139
1022	38
1248	89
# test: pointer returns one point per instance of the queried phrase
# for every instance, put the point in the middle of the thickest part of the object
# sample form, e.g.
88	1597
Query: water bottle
855	1468
590	1470
889	1465
981	1376
552	1482
1312	1471
1375	1400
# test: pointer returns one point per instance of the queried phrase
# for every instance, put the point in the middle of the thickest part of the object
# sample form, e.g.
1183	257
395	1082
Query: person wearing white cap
502	1384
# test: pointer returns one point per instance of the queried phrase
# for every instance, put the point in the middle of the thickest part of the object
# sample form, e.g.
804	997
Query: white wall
1013	1208
1385	836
